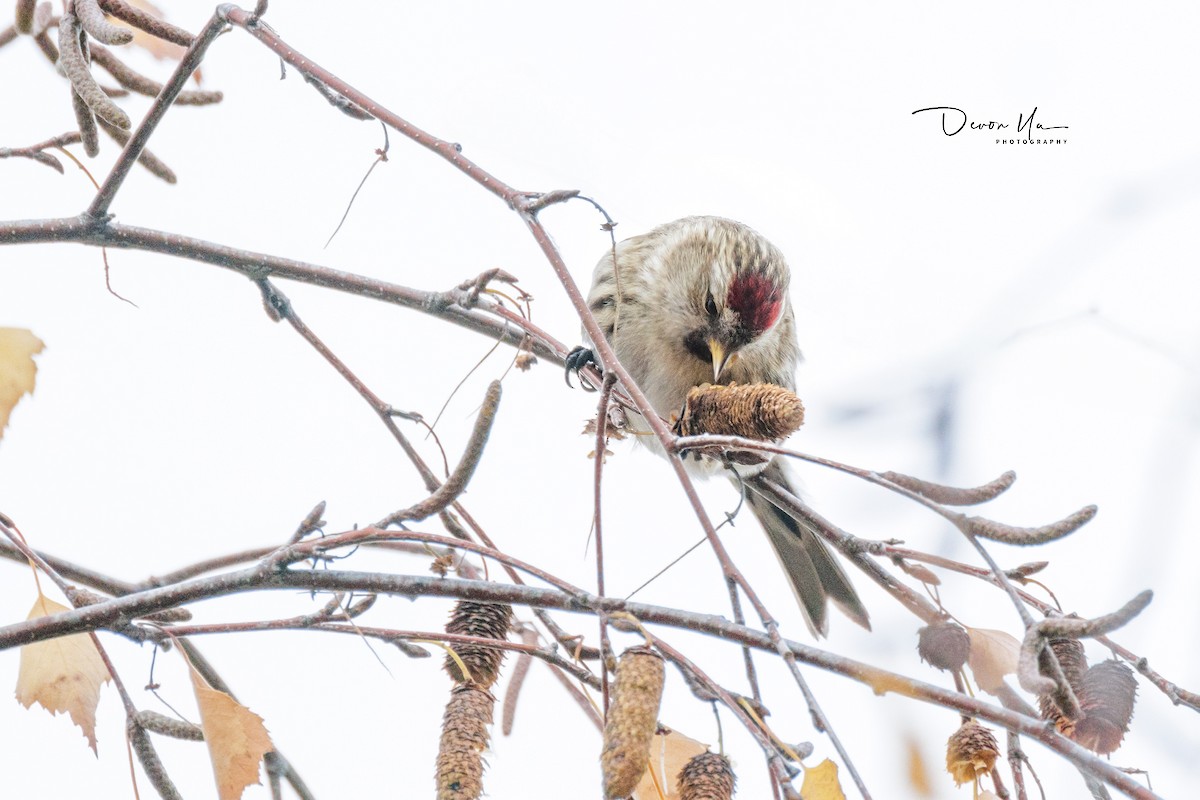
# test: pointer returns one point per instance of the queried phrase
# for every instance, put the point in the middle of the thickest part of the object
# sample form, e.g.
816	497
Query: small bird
705	300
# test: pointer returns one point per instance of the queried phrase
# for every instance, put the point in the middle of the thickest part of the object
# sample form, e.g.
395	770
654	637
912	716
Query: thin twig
527	205
37	151
763	736
821	723
137	142
599	454
326	624
453	486
256	578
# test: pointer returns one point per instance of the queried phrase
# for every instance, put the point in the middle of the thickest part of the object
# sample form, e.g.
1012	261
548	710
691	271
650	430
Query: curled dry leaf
670	751
1107	696
18	372
236	737
524	360
63	674
994	654
821	782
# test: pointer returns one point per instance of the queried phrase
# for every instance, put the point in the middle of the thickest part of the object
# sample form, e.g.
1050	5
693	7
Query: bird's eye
710	305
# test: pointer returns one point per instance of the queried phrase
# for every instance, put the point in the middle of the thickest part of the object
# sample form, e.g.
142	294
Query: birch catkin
632	720
708	776
487	620
753	411
464	738
469	712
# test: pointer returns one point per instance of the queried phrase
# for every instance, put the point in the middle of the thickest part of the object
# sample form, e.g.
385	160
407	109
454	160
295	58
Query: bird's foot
576	360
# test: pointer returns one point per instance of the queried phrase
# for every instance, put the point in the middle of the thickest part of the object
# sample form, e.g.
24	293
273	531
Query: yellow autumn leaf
918	770
63	674
821	783
993	655
883	682
669	753
236	739
17	369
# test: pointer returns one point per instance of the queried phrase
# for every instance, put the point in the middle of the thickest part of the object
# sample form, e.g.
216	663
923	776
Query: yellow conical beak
719	358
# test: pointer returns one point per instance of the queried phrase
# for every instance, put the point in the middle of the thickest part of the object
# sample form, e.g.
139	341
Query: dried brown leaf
821	782
1107	697
994	654
62	674
18	372
236	737
918	770
670	751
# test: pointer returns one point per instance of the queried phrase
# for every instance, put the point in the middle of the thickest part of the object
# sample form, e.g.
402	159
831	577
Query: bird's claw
576	360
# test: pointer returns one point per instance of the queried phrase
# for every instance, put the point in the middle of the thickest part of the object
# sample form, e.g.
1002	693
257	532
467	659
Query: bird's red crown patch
756	299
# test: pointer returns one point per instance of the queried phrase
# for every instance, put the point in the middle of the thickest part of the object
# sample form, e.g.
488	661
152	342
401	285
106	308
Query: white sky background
1051	289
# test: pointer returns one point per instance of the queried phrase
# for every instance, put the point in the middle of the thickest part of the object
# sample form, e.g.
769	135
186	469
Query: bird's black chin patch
696	343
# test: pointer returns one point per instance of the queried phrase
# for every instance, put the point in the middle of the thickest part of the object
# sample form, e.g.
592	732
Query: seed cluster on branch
464	738
945	645
971	752
753	411
469	712
1073	661
485	620
708	776
1106	693
632	720
1101	698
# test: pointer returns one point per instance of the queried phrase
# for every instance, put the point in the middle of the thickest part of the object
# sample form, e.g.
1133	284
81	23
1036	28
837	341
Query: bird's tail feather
811	568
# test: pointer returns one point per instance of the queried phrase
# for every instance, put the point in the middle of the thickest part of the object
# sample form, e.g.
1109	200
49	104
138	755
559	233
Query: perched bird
705	300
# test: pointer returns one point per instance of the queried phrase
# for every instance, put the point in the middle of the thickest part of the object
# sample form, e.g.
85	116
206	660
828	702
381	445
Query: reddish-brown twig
257	578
